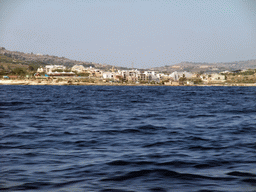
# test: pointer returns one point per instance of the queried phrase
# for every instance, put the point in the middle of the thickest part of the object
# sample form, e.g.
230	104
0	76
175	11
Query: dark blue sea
121	138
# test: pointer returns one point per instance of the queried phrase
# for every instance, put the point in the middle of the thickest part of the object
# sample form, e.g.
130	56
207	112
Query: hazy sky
147	33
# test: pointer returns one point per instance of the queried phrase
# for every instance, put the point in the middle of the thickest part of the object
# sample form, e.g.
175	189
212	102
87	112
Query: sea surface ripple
121	138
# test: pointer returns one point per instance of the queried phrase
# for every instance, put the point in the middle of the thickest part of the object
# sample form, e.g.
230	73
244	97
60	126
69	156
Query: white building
51	68
216	77
151	75
162	76
40	70
177	75
94	72
213	77
60	74
108	75
78	68
129	74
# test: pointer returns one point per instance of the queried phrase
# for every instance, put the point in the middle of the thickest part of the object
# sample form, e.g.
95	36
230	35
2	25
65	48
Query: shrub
19	71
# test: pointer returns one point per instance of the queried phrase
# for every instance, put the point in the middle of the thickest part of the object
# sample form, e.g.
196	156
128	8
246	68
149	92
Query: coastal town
80	75
20	68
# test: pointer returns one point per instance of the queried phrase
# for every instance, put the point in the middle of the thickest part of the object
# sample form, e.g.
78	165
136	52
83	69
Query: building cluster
133	75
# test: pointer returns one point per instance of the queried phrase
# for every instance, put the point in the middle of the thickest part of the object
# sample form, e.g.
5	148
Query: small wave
157	189
2	116
110	132
176	164
63	170
14	171
25	135
151	128
194	138
130	175
71	119
241	174
114	190
69	133
82	143
204	166
9	145
119	162
123	163
27	186
240	111
138	101
141	130
163	173
198	147
120	131
160	118
28	146
135	119
135	101
58	185
87	117
30	154
158	144
198	116
130	131
213	163
251	181
158	156
243	130
14	103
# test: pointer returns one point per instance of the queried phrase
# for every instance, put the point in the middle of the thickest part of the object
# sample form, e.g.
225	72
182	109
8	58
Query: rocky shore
47	82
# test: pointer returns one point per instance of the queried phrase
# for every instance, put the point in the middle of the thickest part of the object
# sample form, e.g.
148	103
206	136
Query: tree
9	68
2	70
182	79
31	68
197	81
83	74
19	71
57	70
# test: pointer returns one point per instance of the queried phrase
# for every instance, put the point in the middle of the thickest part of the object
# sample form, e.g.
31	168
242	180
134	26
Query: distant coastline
36	82
18	68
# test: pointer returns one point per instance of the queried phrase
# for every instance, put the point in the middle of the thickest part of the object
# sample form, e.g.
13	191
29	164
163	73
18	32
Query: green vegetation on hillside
9	66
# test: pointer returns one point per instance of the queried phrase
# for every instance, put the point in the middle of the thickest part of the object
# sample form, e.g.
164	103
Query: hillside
207	67
13	58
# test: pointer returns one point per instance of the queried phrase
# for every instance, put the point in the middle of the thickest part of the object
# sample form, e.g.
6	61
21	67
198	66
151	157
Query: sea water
121	138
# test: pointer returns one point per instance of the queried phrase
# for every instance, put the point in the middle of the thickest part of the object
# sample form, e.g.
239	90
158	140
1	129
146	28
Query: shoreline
37	82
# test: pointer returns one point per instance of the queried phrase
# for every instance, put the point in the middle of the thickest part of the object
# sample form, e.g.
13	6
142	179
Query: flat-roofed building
78	68
108	75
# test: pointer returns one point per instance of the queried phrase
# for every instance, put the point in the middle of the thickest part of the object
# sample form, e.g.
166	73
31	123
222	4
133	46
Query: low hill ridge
208	67
42	60
28	58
